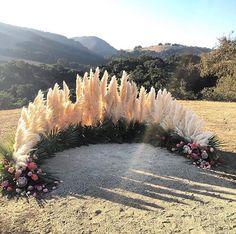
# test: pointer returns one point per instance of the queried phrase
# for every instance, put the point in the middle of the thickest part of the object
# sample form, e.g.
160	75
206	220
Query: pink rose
32	166
34	177
10	170
195	156
18	174
5	183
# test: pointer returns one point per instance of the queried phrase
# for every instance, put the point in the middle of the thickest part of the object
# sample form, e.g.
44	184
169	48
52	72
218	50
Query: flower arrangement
23	182
203	156
102	112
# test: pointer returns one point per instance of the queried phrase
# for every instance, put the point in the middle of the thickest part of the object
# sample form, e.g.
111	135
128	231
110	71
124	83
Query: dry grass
220	118
8	122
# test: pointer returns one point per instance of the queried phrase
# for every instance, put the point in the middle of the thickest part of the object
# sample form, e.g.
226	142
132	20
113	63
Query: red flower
32	166
34	177
194	146
9	189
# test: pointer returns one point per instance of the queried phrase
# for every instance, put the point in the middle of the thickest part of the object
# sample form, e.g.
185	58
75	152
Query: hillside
168	50
163	51
97	45
43	47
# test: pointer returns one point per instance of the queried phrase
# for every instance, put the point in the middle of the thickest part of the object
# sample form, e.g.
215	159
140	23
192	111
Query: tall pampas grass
96	100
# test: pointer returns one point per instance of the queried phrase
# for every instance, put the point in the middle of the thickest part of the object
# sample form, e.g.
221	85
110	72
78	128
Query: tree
221	63
222	60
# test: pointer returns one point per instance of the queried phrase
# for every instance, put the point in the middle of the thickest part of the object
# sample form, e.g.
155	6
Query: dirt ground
133	188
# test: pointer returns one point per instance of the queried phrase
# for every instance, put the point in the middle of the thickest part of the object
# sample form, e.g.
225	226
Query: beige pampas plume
95	100
141	114
78	88
112	100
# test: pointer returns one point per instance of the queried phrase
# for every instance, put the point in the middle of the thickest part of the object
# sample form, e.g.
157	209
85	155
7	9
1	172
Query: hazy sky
127	23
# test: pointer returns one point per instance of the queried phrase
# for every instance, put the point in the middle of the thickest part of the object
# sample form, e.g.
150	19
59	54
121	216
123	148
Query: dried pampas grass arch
97	99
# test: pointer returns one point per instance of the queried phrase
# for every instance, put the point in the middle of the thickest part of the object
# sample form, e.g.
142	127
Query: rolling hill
97	45
43	47
168	50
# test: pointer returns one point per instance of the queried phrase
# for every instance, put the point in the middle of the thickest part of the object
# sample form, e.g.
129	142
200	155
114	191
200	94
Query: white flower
186	148
22	182
204	154
211	149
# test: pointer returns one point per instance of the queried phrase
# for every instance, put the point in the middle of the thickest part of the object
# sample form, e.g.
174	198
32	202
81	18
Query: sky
127	23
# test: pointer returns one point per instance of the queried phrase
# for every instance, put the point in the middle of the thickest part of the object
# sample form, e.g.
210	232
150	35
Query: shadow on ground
140	176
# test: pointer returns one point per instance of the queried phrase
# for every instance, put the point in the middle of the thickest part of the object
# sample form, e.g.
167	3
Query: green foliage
108	132
20	81
225	89
179	74
221	63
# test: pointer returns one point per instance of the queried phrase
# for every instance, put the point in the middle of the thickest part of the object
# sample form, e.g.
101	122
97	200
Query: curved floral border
44	122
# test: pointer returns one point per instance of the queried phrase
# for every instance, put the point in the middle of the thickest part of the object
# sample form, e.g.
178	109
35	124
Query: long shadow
143	181
226	166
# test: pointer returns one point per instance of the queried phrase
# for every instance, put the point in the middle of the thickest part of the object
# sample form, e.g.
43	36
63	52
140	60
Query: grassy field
220	118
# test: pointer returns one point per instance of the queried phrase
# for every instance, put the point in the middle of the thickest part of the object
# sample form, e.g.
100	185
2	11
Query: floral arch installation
103	112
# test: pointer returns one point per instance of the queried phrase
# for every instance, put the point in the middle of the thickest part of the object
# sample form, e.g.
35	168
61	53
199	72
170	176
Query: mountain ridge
97	45
30	44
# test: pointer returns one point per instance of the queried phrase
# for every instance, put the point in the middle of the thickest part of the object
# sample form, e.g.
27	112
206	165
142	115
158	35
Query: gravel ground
127	188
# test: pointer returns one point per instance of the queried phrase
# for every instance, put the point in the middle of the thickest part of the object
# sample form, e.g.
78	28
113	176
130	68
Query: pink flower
18	174
39	188
189	151
34	177
30	174
10	170
34	194
5	183
18	190
45	190
32	166
195	156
